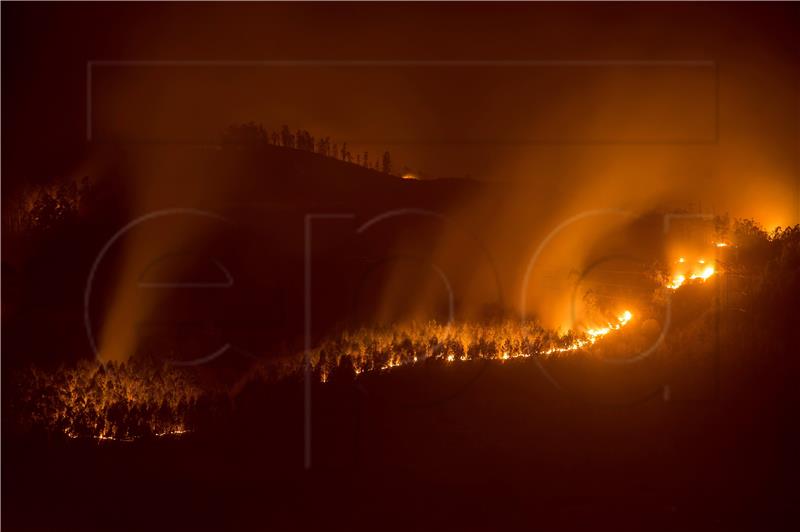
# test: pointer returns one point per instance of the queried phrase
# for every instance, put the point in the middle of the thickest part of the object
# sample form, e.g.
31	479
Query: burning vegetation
146	398
378	349
112	401
690	271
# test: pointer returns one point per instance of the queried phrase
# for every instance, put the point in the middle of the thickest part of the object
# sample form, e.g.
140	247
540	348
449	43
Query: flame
707	272
676	281
593	335
699	271
121	402
127	401
381	349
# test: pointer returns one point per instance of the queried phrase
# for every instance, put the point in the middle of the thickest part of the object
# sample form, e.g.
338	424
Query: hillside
417	427
263	195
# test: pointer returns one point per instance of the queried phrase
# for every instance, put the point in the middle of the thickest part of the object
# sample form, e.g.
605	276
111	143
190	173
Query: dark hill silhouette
263	193
505	445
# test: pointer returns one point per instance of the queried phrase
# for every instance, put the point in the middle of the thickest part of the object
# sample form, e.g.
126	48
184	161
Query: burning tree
119	401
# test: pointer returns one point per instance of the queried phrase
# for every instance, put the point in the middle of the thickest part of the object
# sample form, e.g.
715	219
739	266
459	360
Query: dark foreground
462	448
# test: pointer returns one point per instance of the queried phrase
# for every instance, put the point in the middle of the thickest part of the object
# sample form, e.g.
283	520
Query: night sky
665	106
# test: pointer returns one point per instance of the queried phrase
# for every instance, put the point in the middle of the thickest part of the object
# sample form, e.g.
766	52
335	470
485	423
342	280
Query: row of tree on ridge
253	135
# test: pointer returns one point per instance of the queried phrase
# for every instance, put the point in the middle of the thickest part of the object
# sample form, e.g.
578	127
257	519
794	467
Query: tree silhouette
386	165
249	135
287	139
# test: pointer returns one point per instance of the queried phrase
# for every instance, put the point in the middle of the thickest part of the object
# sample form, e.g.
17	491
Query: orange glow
676	281
381	349
700	271
707	272
593	335
121	402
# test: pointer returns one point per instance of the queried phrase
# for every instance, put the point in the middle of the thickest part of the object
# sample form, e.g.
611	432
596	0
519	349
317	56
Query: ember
379	349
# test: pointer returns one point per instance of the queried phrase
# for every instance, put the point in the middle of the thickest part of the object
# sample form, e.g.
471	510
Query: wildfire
129	401
593	335
699	271
676	281
382	349
121	402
